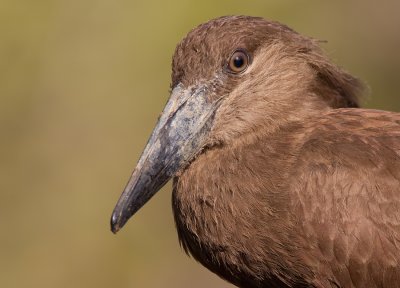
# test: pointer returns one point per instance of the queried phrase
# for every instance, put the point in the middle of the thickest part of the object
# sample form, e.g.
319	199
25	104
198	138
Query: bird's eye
238	62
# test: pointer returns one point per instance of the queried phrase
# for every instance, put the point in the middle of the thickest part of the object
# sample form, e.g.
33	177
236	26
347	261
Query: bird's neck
229	194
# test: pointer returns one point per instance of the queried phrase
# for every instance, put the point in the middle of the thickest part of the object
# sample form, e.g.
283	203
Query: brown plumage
280	180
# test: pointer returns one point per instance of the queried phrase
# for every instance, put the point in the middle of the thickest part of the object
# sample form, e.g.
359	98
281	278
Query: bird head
230	77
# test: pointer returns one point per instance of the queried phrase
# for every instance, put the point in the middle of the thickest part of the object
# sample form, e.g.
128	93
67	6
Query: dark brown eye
238	61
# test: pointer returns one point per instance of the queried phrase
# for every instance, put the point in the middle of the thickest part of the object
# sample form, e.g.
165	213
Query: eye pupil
238	61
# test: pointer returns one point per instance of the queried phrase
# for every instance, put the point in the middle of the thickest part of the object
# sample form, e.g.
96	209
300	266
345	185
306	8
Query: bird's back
347	198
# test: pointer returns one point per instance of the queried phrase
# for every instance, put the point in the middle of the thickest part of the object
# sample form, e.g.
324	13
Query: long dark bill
178	136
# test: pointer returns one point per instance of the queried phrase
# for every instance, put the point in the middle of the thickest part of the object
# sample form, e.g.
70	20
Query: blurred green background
81	86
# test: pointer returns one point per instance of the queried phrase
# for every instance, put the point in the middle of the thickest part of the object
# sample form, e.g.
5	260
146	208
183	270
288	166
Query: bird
280	178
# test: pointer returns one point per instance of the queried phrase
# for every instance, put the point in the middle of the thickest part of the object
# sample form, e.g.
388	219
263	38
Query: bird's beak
179	135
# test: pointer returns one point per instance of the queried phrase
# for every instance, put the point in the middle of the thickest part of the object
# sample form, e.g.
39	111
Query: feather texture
314	205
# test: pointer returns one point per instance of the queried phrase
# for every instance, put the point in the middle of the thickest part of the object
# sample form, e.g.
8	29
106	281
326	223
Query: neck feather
231	203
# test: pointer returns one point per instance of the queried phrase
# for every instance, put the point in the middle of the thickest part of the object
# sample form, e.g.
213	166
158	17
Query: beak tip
115	223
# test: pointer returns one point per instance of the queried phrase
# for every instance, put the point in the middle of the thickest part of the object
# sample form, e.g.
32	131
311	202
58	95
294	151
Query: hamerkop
279	178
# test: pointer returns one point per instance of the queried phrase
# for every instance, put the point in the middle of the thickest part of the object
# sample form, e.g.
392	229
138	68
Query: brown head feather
205	50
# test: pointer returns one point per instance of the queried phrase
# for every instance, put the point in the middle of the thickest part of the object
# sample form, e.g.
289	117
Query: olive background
81	86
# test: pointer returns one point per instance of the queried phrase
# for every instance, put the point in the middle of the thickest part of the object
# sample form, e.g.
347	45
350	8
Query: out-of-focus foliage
81	85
